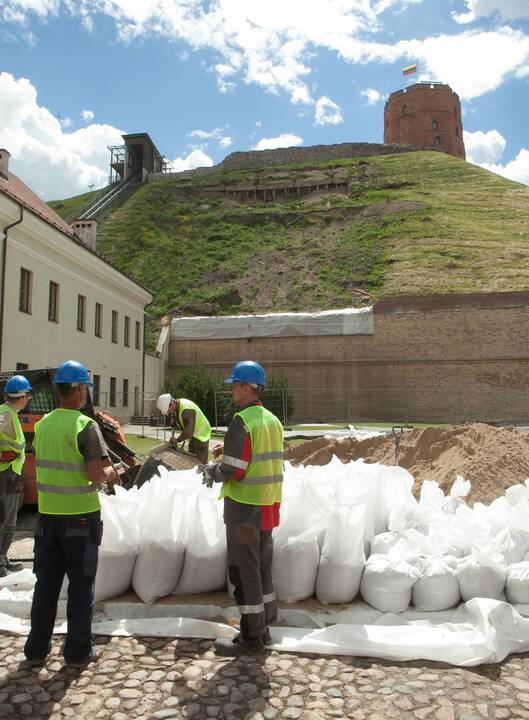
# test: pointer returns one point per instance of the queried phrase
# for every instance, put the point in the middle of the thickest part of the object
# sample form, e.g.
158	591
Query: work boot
12	566
238	645
94	655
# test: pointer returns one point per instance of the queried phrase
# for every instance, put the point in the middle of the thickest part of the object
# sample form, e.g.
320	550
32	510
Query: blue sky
205	78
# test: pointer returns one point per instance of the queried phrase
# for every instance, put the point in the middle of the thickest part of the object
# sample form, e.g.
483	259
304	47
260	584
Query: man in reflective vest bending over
193	424
12	457
69	451
251	473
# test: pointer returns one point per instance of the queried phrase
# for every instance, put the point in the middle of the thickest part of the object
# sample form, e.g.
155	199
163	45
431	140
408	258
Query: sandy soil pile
491	458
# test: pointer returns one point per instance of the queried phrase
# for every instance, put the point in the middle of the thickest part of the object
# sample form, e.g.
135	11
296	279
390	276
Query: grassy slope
431	224
64	208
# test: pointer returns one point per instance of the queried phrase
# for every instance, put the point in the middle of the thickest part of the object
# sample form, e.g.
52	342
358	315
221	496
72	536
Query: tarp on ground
349	321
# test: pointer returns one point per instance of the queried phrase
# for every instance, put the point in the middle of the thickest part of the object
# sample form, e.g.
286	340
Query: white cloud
327	112
215	134
506	9
486	150
65	122
371	95
281	141
55	163
274	44
195	159
87	115
484	147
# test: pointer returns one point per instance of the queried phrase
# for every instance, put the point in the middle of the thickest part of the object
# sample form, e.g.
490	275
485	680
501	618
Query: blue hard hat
247	371
17	386
72	372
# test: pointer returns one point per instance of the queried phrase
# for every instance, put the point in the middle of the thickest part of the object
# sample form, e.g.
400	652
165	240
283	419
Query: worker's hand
207	476
217	450
172	440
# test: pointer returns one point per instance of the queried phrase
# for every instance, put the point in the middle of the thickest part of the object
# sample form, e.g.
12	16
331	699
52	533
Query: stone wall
451	358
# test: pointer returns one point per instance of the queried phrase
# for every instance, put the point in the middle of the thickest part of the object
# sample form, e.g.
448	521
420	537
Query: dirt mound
491	458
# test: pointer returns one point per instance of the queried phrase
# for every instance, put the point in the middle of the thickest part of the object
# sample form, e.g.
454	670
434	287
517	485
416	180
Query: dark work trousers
10	488
250	552
64	544
200	449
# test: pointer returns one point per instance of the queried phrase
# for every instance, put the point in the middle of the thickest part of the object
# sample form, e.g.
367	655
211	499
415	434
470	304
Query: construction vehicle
45	398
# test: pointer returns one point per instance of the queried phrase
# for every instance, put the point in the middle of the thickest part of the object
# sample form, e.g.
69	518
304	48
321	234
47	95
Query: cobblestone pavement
156	679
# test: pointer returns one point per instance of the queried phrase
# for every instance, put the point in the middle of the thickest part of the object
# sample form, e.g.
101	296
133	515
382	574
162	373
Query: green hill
415	223
64	208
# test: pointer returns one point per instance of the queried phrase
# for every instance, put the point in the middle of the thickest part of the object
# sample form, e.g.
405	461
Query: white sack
295	565
387	583
517	587
458	492
342	558
119	545
514	544
482	574
437	587
162	545
205	555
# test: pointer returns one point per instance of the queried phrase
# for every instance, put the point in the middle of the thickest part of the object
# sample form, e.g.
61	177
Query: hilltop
414	223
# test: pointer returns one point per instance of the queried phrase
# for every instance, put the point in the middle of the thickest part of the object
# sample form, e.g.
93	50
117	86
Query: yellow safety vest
15	444
202	429
263	481
62	481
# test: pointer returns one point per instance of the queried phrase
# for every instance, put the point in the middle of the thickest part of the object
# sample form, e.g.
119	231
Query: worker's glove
207	475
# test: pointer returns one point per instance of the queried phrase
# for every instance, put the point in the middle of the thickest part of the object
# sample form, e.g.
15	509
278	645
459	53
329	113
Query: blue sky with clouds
207	77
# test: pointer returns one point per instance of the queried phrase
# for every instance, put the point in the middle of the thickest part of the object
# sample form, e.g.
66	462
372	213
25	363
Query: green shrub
198	383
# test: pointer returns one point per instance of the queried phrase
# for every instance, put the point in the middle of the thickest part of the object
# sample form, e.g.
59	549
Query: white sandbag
514	544
119	544
162	544
382	543
342	559
437	587
387	583
295	565
483	573
205	555
458	492
517	586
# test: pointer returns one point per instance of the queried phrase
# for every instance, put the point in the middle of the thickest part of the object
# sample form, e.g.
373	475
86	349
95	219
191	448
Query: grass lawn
141	445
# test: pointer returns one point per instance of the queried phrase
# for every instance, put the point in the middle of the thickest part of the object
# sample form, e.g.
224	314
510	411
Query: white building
61	300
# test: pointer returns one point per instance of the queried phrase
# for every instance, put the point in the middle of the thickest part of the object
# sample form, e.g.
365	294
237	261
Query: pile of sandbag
347	530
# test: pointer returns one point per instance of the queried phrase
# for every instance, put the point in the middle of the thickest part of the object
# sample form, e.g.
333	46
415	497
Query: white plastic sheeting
349	321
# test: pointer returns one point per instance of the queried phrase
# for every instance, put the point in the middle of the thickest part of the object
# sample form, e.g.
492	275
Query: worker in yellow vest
191	421
12	456
251	473
69	452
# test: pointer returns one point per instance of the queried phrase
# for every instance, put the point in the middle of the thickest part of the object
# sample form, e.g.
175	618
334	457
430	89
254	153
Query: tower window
404	109
435	125
437	141
457	131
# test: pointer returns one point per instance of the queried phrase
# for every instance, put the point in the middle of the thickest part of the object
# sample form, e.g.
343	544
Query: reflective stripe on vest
202	429
16	445
264	477
62	481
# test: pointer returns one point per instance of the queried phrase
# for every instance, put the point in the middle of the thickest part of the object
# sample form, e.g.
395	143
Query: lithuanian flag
409	70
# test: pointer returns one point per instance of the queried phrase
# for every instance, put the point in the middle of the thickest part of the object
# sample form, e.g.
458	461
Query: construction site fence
349	405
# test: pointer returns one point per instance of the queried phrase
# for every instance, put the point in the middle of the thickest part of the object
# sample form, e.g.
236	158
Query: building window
26	286
437	141
114	326
125	393
53	302
98	330
22	366
457	131
81	313
137	340
126	332
96	390
435	125
112	398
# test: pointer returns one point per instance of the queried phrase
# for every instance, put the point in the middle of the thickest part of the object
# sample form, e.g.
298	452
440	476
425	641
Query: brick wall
425	114
439	358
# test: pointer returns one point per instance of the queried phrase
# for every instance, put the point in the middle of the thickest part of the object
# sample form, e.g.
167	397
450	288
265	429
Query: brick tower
427	114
